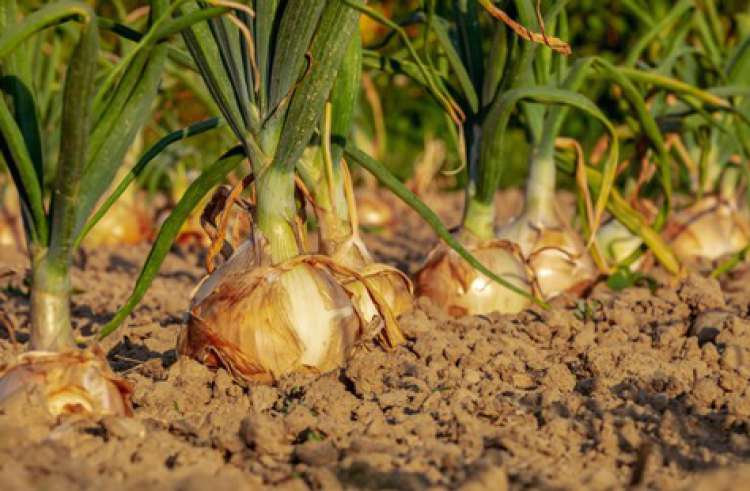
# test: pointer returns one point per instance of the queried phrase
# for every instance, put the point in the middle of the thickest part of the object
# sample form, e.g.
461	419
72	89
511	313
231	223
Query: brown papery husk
72	382
561	263
460	290
555	253
617	243
373	211
393	285
258	323
11	226
708	229
127	222
396	297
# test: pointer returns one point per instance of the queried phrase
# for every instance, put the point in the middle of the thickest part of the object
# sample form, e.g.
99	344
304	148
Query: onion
71	382
556	255
11	228
459	289
372	210
263	322
9	235
393	286
709	229
125	223
617	243
394	294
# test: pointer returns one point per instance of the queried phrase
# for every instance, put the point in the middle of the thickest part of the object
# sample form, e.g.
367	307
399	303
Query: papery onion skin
557	255
72	382
244	259
7	234
11	228
373	211
709	229
393	285
126	223
269	321
394	288
617	243
460	290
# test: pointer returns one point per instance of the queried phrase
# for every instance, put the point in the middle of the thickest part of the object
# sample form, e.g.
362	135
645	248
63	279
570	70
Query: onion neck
479	219
540	185
337	237
728	184
710	169
51	328
276	213
484	174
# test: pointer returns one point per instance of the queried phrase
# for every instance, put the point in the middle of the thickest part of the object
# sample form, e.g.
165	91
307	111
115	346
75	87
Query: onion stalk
711	140
717	222
327	176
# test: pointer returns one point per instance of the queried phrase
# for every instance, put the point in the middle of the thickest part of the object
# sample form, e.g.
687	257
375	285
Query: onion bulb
709	229
379	294
617	243
7	237
71	382
261	322
11	228
393	286
459	289
373	211
556	255
127	222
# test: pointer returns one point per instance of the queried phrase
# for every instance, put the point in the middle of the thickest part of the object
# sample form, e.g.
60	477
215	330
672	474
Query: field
347	245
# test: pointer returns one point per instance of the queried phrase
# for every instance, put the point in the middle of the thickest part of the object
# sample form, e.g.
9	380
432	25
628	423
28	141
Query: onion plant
716	223
102	111
273	307
702	124
487	95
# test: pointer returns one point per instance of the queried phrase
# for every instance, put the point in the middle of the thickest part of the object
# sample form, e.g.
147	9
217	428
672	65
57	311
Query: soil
645	388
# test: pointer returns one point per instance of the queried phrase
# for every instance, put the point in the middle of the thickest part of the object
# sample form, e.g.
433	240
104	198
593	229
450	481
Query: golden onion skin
459	289
11	227
72	382
709	229
556	255
269	321
243	259
373	211
126	223
7	234
393	287
617	243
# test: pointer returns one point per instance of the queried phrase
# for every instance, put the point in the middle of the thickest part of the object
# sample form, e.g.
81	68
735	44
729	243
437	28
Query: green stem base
51	328
276	213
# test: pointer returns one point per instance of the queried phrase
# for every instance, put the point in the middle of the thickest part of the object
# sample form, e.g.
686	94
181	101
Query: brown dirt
639	389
